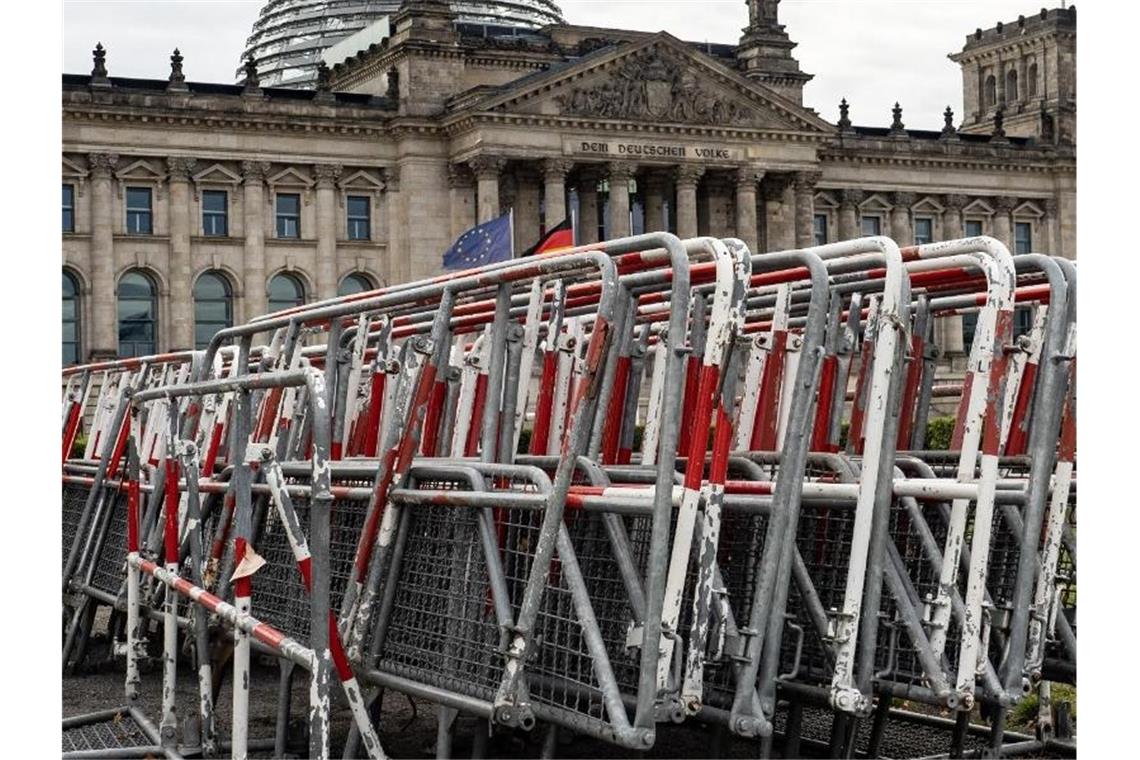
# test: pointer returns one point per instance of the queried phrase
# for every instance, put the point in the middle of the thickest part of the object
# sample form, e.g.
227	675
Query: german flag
557	238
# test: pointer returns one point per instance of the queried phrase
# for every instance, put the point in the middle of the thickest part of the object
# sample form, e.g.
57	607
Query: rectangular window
819	228
1022	237
359	217
973	228
923	231
288	215
69	208
215	213
139	216
872	225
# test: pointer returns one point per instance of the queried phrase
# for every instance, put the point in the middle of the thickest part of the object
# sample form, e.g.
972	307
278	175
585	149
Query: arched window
138	315
1011	86
991	91
213	307
285	292
353	284
70	319
1031	85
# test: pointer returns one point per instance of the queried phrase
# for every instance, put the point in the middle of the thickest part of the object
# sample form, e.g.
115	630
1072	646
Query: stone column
1003	227
804	185
487	170
554	190
746	224
527	208
255	286
588	205
619	175
686	179
849	227
327	176
461	193
952	227
779	212
655	185
181	285
901	230
1049	223
104	335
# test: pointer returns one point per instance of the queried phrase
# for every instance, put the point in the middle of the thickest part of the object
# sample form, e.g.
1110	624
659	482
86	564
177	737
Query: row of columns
788	198
255	175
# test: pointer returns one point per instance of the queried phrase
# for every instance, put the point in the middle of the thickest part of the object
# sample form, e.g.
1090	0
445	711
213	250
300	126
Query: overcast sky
873	52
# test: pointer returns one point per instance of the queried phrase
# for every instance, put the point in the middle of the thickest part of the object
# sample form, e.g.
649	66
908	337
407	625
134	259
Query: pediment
72	169
927	205
290	177
1029	209
875	202
217	174
140	170
362	180
659	79
823	200
979	207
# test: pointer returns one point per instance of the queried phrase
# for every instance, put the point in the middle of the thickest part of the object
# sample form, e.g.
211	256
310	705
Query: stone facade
439	128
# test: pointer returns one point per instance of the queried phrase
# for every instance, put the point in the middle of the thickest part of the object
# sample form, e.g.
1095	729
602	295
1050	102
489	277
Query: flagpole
573	228
512	232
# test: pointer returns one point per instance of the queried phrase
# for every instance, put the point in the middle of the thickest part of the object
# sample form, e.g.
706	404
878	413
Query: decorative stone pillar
952	227
804	186
1003	226
656	184
747	179
527	208
588	205
178	171
327	176
1049	222
255	286
901	230
686	179
620	174
487	170
104	337
461	193
554	172
779	213
849	227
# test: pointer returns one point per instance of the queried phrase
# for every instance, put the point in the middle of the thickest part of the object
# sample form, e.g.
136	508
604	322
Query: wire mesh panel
111	563
74	499
121	731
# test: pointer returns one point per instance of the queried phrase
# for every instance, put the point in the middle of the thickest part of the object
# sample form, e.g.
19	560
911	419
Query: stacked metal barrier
438	489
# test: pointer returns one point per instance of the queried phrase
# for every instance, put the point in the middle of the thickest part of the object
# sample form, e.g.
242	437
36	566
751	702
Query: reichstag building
189	206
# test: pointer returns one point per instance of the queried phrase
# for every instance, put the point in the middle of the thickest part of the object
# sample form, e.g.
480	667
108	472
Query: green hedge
939	433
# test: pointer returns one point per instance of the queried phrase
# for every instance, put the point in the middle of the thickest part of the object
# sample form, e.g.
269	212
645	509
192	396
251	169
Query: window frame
966	227
816	230
227	300
299	300
139	212
364	279
151	346
69	208
76	318
929	220
878	220
1017	227
224	214
351	220
280	217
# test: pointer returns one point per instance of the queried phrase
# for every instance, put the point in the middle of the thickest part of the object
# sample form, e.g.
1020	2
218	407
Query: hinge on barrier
928	605
834	619
633	635
567	344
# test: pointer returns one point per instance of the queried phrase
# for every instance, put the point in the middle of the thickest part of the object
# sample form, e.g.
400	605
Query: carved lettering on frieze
653	87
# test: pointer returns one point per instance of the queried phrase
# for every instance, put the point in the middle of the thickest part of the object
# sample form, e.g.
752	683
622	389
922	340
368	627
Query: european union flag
489	242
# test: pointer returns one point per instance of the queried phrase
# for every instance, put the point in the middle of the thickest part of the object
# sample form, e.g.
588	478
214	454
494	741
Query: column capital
850	197
774	186
459	176
391	177
102	165
621	171
688	174
1050	206
904	200
556	169
487	167
955	201
179	168
327	174
748	177
1005	204
255	172
805	182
